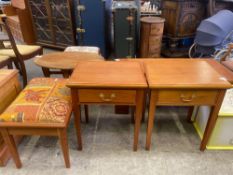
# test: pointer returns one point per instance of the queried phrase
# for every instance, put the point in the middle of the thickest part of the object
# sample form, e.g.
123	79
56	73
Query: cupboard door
62	22
41	22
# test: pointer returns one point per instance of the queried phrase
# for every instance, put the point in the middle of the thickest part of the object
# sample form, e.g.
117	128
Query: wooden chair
43	108
19	53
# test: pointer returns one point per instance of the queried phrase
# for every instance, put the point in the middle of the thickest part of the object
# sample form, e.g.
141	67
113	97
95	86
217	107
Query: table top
108	74
65	60
184	73
228	74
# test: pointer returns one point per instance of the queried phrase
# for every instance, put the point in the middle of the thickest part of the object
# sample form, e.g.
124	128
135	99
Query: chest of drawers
9	89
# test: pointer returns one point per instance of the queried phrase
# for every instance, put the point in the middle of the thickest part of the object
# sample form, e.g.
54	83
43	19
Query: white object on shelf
88	49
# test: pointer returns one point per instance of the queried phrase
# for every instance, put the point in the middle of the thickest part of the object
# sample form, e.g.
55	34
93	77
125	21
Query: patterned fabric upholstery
44	100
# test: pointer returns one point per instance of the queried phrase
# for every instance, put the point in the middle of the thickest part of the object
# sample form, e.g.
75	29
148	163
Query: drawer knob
107	99
187	99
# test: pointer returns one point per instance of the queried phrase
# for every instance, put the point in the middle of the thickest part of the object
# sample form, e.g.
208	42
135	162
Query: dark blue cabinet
91	25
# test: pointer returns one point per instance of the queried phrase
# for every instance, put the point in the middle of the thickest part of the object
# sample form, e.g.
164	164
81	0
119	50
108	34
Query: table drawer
107	96
187	97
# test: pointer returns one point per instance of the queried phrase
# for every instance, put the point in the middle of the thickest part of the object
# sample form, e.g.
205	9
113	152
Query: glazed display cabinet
52	22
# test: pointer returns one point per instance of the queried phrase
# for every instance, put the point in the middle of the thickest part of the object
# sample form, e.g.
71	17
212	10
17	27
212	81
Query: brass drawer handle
187	99
106	99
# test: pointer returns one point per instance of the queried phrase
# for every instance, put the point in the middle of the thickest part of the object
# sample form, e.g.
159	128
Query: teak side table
185	82
119	83
64	61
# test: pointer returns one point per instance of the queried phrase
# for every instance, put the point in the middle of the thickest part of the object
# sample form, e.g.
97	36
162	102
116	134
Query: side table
185	82
117	83
65	62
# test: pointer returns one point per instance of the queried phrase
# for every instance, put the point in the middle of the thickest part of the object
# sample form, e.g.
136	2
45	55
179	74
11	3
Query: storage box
222	135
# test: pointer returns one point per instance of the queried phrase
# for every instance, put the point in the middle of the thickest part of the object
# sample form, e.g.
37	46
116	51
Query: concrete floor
107	147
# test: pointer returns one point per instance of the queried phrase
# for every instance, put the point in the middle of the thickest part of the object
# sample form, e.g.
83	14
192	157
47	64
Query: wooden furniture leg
64	146
138	117
77	116
150	123
46	72
132	114
190	114
86	113
212	119
9	141
66	73
9	65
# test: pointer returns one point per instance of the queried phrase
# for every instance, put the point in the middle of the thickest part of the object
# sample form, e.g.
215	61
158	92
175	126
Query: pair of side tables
177	82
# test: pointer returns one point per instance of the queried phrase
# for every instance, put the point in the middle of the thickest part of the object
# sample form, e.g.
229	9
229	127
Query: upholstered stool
42	108
87	49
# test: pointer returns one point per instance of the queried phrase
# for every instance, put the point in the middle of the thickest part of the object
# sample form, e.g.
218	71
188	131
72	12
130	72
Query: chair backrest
5	25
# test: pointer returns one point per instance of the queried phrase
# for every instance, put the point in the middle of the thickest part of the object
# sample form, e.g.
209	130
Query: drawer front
187	97
107	96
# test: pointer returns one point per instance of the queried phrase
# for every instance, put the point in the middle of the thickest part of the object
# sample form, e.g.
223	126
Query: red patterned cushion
44	100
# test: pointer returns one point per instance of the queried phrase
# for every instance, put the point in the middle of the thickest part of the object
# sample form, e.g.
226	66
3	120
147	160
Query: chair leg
41	51
64	146
17	66
9	141
24	74
9	65
86	113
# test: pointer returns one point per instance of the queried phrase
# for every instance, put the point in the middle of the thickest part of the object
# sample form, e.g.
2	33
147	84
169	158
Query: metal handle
81	8
187	99
130	18
129	38
107	99
79	30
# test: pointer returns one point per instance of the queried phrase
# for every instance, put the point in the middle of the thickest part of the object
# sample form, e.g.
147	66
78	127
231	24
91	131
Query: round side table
65	62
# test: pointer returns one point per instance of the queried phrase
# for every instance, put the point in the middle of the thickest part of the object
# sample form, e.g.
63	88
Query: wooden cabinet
9	89
19	21
182	17
52	22
151	37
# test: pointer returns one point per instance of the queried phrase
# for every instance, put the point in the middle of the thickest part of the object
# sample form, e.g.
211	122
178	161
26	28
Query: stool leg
10	142
64	146
86	113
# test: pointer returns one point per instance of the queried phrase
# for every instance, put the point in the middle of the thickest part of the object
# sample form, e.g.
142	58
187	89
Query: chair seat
3	58
44	100
23	50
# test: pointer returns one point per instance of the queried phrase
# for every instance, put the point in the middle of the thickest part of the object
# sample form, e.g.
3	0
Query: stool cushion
44	100
23	50
87	49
